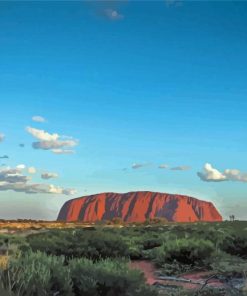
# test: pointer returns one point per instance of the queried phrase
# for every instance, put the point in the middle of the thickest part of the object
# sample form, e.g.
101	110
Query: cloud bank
14	179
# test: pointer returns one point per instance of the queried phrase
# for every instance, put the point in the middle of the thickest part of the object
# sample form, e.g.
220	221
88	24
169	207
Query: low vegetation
95	260
185	251
41	274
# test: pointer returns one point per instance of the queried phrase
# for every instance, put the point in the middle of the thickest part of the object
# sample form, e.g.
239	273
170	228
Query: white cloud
54	142
49	175
41	134
12	175
235	175
138	165
211	174
163	166
113	14
13	179
21	166
36	188
59	190
31	170
51	145
62	151
38	118
181	168
2	136
177	168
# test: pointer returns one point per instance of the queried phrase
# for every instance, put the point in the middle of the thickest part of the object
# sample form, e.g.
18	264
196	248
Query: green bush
80	243
11	242
228	265
37	274
106	278
236	245
151	243
185	251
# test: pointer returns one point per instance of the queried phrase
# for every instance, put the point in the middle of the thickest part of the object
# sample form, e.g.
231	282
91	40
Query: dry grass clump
4	261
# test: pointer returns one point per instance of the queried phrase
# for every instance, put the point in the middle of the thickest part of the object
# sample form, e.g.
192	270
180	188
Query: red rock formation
137	207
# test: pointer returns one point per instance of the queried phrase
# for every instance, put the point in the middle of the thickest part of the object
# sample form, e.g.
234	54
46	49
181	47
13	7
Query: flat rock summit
138	207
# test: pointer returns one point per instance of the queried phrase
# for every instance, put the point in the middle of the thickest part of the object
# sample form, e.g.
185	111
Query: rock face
137	207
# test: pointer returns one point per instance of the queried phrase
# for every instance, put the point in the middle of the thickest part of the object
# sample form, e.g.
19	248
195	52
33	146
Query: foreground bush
185	251
39	274
106	277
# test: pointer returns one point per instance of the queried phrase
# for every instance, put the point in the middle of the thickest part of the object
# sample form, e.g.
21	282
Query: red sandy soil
147	267
149	270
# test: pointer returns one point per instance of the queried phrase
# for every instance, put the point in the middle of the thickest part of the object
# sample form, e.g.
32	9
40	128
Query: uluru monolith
138	207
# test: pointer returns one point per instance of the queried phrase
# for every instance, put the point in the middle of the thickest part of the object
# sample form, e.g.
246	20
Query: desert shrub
139	244
186	251
9	243
151	242
37	274
228	265
135	250
80	243
107	278
236	245
141	247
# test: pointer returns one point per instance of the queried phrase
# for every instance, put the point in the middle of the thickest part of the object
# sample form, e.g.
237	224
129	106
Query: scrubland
94	259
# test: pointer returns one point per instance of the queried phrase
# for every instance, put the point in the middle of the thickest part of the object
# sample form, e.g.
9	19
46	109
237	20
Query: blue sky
131	84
